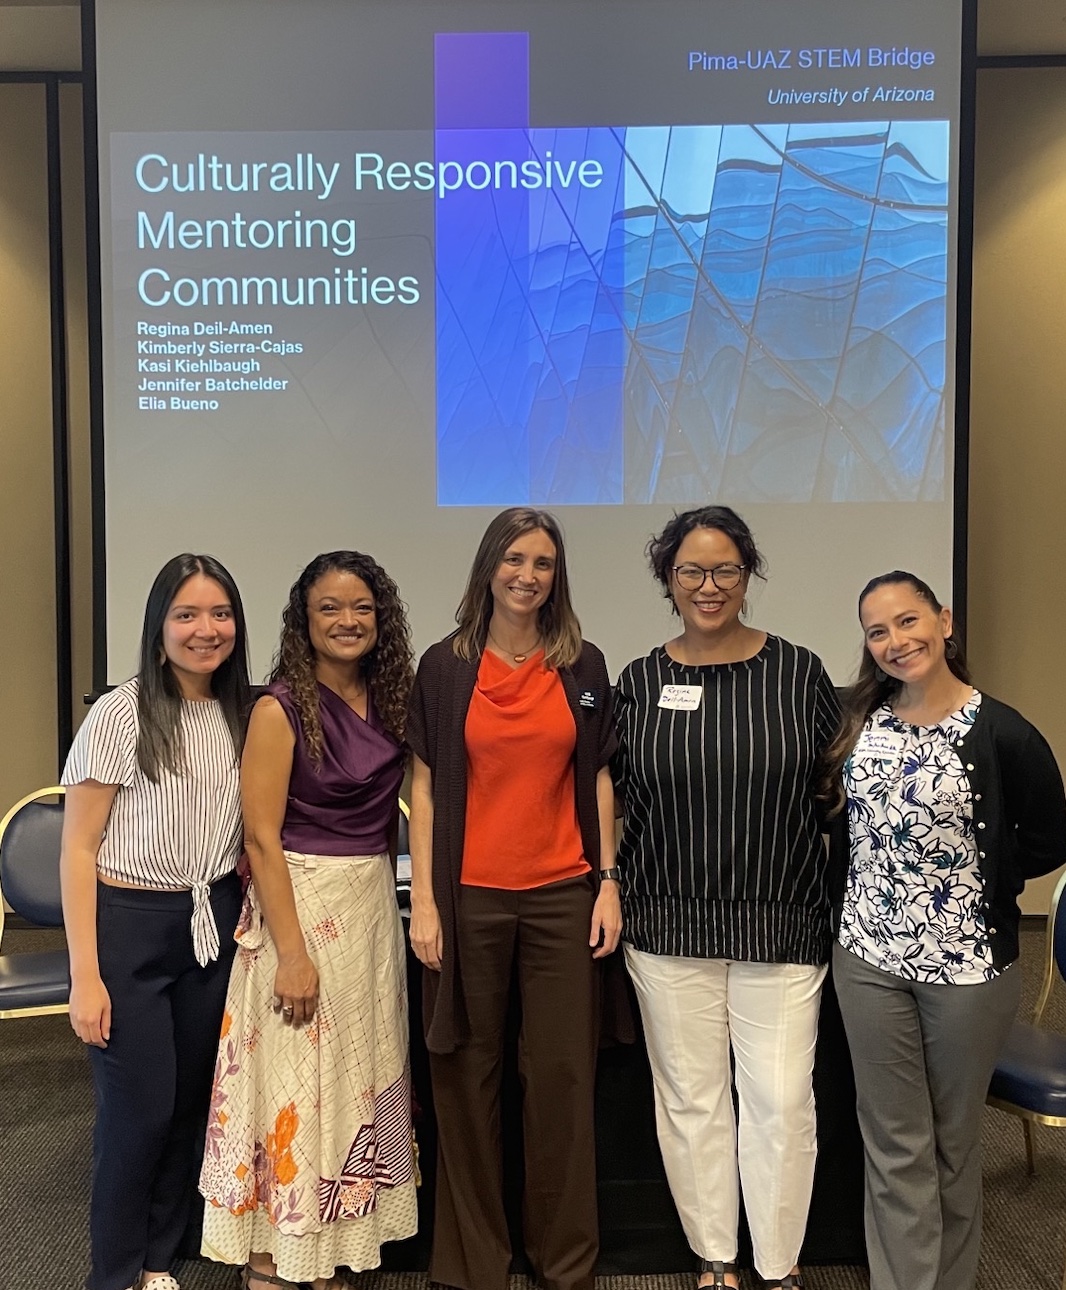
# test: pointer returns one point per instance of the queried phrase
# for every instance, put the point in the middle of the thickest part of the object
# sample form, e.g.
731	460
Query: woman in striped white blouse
724	896
151	837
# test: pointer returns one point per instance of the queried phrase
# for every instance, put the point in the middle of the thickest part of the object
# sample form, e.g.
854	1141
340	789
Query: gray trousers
923	1057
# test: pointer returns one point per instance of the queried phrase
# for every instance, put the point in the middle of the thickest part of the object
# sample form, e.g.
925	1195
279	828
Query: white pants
694	1011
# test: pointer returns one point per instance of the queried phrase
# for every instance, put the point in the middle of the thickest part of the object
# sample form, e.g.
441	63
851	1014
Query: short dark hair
662	549
158	692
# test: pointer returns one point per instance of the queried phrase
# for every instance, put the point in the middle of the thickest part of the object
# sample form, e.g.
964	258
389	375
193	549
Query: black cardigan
1019	815
436	724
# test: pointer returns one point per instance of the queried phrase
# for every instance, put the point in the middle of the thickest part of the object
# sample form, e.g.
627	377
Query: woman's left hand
606	920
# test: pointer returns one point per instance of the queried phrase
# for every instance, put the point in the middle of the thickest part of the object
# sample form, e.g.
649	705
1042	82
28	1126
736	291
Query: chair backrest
403	845
1056	947
30	836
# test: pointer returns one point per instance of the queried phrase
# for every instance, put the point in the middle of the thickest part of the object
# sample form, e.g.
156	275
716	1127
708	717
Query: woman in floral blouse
952	801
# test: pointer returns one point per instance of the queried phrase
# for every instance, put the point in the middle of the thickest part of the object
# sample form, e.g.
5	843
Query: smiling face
904	633
341	618
708	609
199	633
523	581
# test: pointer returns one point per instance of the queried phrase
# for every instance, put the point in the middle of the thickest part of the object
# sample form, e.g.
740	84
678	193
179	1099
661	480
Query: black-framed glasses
724	576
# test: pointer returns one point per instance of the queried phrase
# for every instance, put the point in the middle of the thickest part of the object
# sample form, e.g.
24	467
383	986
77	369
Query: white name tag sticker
681	698
886	744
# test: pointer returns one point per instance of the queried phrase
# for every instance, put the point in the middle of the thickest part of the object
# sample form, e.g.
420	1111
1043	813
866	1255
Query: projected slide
670	312
370	268
649	313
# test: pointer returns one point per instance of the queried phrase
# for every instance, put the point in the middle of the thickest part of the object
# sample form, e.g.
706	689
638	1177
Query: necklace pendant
518	658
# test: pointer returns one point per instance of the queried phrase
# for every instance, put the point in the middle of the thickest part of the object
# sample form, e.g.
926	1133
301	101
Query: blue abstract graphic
751	311
786	312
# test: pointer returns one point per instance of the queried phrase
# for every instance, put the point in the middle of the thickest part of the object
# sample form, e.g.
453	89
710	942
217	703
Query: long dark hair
872	688
388	667
663	548
159	744
558	624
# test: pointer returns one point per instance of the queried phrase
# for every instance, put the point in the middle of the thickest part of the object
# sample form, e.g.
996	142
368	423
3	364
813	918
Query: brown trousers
544	933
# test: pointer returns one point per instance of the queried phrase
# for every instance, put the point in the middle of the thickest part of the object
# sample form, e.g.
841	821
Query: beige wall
27	553
28	751
1017	631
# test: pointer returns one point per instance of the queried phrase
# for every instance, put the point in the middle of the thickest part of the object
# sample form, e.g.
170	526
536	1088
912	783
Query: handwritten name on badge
681	698
880	743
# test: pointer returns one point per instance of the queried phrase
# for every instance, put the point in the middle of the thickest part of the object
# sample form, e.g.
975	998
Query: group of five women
282	1016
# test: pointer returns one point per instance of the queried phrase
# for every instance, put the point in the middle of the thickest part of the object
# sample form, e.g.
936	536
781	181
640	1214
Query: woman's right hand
426	940
90	1012
296	989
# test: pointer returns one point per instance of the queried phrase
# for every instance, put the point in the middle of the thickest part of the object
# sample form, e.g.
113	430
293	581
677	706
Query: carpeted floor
45	1124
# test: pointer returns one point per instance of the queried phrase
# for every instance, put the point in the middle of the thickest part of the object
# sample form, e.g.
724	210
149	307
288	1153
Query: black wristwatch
611	875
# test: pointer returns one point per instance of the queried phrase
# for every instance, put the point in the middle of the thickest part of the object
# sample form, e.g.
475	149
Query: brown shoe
250	1275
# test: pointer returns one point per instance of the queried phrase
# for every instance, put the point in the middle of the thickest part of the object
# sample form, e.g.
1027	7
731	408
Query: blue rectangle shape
481	80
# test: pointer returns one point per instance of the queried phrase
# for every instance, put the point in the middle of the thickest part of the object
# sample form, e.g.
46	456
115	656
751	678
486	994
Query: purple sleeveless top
346	806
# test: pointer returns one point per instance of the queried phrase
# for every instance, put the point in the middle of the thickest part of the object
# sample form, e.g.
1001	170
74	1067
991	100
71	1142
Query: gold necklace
518	658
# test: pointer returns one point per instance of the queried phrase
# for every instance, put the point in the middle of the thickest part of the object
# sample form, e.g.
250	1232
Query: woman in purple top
309	1160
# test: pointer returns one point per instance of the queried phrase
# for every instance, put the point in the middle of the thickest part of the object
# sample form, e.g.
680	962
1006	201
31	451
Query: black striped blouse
721	853
183	832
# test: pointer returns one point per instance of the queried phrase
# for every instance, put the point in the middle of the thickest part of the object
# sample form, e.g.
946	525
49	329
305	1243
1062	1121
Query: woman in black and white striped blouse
724	896
151	837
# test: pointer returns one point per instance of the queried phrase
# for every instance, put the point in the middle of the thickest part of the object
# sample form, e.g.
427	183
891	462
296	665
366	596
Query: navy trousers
153	1080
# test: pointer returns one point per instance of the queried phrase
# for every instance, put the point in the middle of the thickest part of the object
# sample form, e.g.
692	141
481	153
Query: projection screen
372	270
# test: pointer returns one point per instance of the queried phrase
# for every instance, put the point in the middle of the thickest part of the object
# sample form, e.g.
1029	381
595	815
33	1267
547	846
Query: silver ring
287	1011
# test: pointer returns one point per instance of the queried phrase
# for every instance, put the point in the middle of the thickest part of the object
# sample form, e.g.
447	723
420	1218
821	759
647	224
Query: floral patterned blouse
914	893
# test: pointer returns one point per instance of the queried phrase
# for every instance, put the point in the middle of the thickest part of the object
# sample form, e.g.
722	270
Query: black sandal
719	1270
794	1281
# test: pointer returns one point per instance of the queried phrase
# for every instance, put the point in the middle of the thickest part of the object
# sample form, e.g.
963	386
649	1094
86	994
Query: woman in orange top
512	848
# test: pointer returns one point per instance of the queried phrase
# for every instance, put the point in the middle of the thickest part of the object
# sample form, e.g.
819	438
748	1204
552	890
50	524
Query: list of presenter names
190	367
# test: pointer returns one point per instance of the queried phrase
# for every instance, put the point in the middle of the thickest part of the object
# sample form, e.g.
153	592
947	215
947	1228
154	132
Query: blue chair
34	984
1030	1077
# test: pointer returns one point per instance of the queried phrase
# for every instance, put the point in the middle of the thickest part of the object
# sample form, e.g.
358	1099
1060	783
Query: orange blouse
521	814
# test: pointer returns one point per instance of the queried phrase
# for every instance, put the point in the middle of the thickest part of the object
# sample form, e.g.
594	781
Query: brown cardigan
436	721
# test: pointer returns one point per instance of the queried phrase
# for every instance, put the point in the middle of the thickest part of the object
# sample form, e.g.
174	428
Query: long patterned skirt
310	1150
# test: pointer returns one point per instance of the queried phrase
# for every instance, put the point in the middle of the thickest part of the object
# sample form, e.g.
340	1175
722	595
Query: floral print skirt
310	1150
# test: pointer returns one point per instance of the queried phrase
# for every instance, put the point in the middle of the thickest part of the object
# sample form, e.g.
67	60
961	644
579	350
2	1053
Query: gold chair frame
1027	1117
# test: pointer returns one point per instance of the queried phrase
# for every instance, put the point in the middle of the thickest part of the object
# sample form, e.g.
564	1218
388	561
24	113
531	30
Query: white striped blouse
183	832
721	854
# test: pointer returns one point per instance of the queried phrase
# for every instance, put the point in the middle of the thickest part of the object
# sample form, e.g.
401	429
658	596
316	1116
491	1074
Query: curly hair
388	667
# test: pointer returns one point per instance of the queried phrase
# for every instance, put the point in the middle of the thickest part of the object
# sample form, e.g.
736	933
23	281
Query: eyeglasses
724	576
